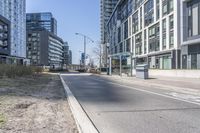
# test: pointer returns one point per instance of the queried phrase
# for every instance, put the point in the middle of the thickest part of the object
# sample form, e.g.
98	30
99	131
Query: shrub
38	70
12	71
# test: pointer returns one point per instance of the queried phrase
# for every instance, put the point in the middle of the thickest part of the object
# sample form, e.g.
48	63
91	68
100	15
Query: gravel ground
34	105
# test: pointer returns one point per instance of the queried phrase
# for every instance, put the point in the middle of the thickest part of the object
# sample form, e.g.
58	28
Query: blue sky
73	16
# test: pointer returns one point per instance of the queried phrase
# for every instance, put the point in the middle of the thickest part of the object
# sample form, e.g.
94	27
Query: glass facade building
66	55
107	7
41	21
145	32
15	12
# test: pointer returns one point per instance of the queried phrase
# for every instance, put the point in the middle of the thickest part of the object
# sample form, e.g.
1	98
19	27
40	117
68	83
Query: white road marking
154	93
73	74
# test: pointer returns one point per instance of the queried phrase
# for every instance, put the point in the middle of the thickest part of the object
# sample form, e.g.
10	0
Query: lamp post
108	63
80	58
85	38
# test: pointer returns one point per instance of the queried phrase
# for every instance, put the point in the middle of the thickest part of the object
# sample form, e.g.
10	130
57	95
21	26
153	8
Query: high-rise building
41	21
107	7
15	12
145	32
4	38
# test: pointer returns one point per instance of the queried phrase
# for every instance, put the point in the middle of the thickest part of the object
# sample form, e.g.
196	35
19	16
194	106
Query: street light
80	58
85	38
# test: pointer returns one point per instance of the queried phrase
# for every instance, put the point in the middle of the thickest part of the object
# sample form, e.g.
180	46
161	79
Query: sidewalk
183	85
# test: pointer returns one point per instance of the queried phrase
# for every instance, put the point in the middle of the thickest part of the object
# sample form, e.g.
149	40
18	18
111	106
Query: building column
120	65
110	65
131	64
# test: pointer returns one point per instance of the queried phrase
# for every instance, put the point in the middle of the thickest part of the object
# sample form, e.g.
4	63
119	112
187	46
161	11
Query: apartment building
190	34
44	49
107	7
15	12
4	39
145	32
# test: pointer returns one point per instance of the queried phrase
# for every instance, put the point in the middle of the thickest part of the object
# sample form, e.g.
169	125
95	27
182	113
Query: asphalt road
116	108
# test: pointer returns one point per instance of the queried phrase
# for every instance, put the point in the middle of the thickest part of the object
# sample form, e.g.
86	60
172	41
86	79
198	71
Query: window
145	41
171	39
148	12
164	4
137	3
168	6
193	9
171	22
128	45
164	34
115	49
171	6
119	34
135	22
133	45
138	44
141	18
120	47
154	35
157	9
126	30
195	19
164	25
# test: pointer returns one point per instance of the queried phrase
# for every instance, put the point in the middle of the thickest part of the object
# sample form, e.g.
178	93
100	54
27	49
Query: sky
73	16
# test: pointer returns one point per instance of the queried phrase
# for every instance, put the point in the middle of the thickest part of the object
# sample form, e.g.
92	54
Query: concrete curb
83	123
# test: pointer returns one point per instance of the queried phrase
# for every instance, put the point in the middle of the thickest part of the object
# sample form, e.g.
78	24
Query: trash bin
142	71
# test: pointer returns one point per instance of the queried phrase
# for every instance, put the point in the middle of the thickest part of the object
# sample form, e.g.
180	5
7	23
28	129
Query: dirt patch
34	104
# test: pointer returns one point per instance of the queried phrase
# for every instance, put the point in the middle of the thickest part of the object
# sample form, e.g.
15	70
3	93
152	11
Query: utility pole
100	57
85	52
85	37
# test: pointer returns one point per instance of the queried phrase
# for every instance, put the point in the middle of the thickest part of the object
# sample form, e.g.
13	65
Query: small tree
98	51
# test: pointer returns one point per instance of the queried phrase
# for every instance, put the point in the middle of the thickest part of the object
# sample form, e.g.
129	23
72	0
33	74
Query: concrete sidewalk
183	85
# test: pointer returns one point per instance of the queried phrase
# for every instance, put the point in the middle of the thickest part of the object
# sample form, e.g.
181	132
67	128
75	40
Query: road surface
117	108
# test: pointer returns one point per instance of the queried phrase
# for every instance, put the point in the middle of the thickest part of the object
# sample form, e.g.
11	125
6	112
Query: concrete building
44	49
107	7
4	39
41	21
15	12
145	32
190	34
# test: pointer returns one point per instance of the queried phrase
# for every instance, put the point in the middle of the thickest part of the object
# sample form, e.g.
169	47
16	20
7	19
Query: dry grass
13	71
2	120
34	104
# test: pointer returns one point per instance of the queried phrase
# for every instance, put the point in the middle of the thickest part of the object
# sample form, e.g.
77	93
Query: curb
83	122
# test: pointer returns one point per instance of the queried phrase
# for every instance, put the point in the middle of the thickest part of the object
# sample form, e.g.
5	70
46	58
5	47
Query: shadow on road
93	89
